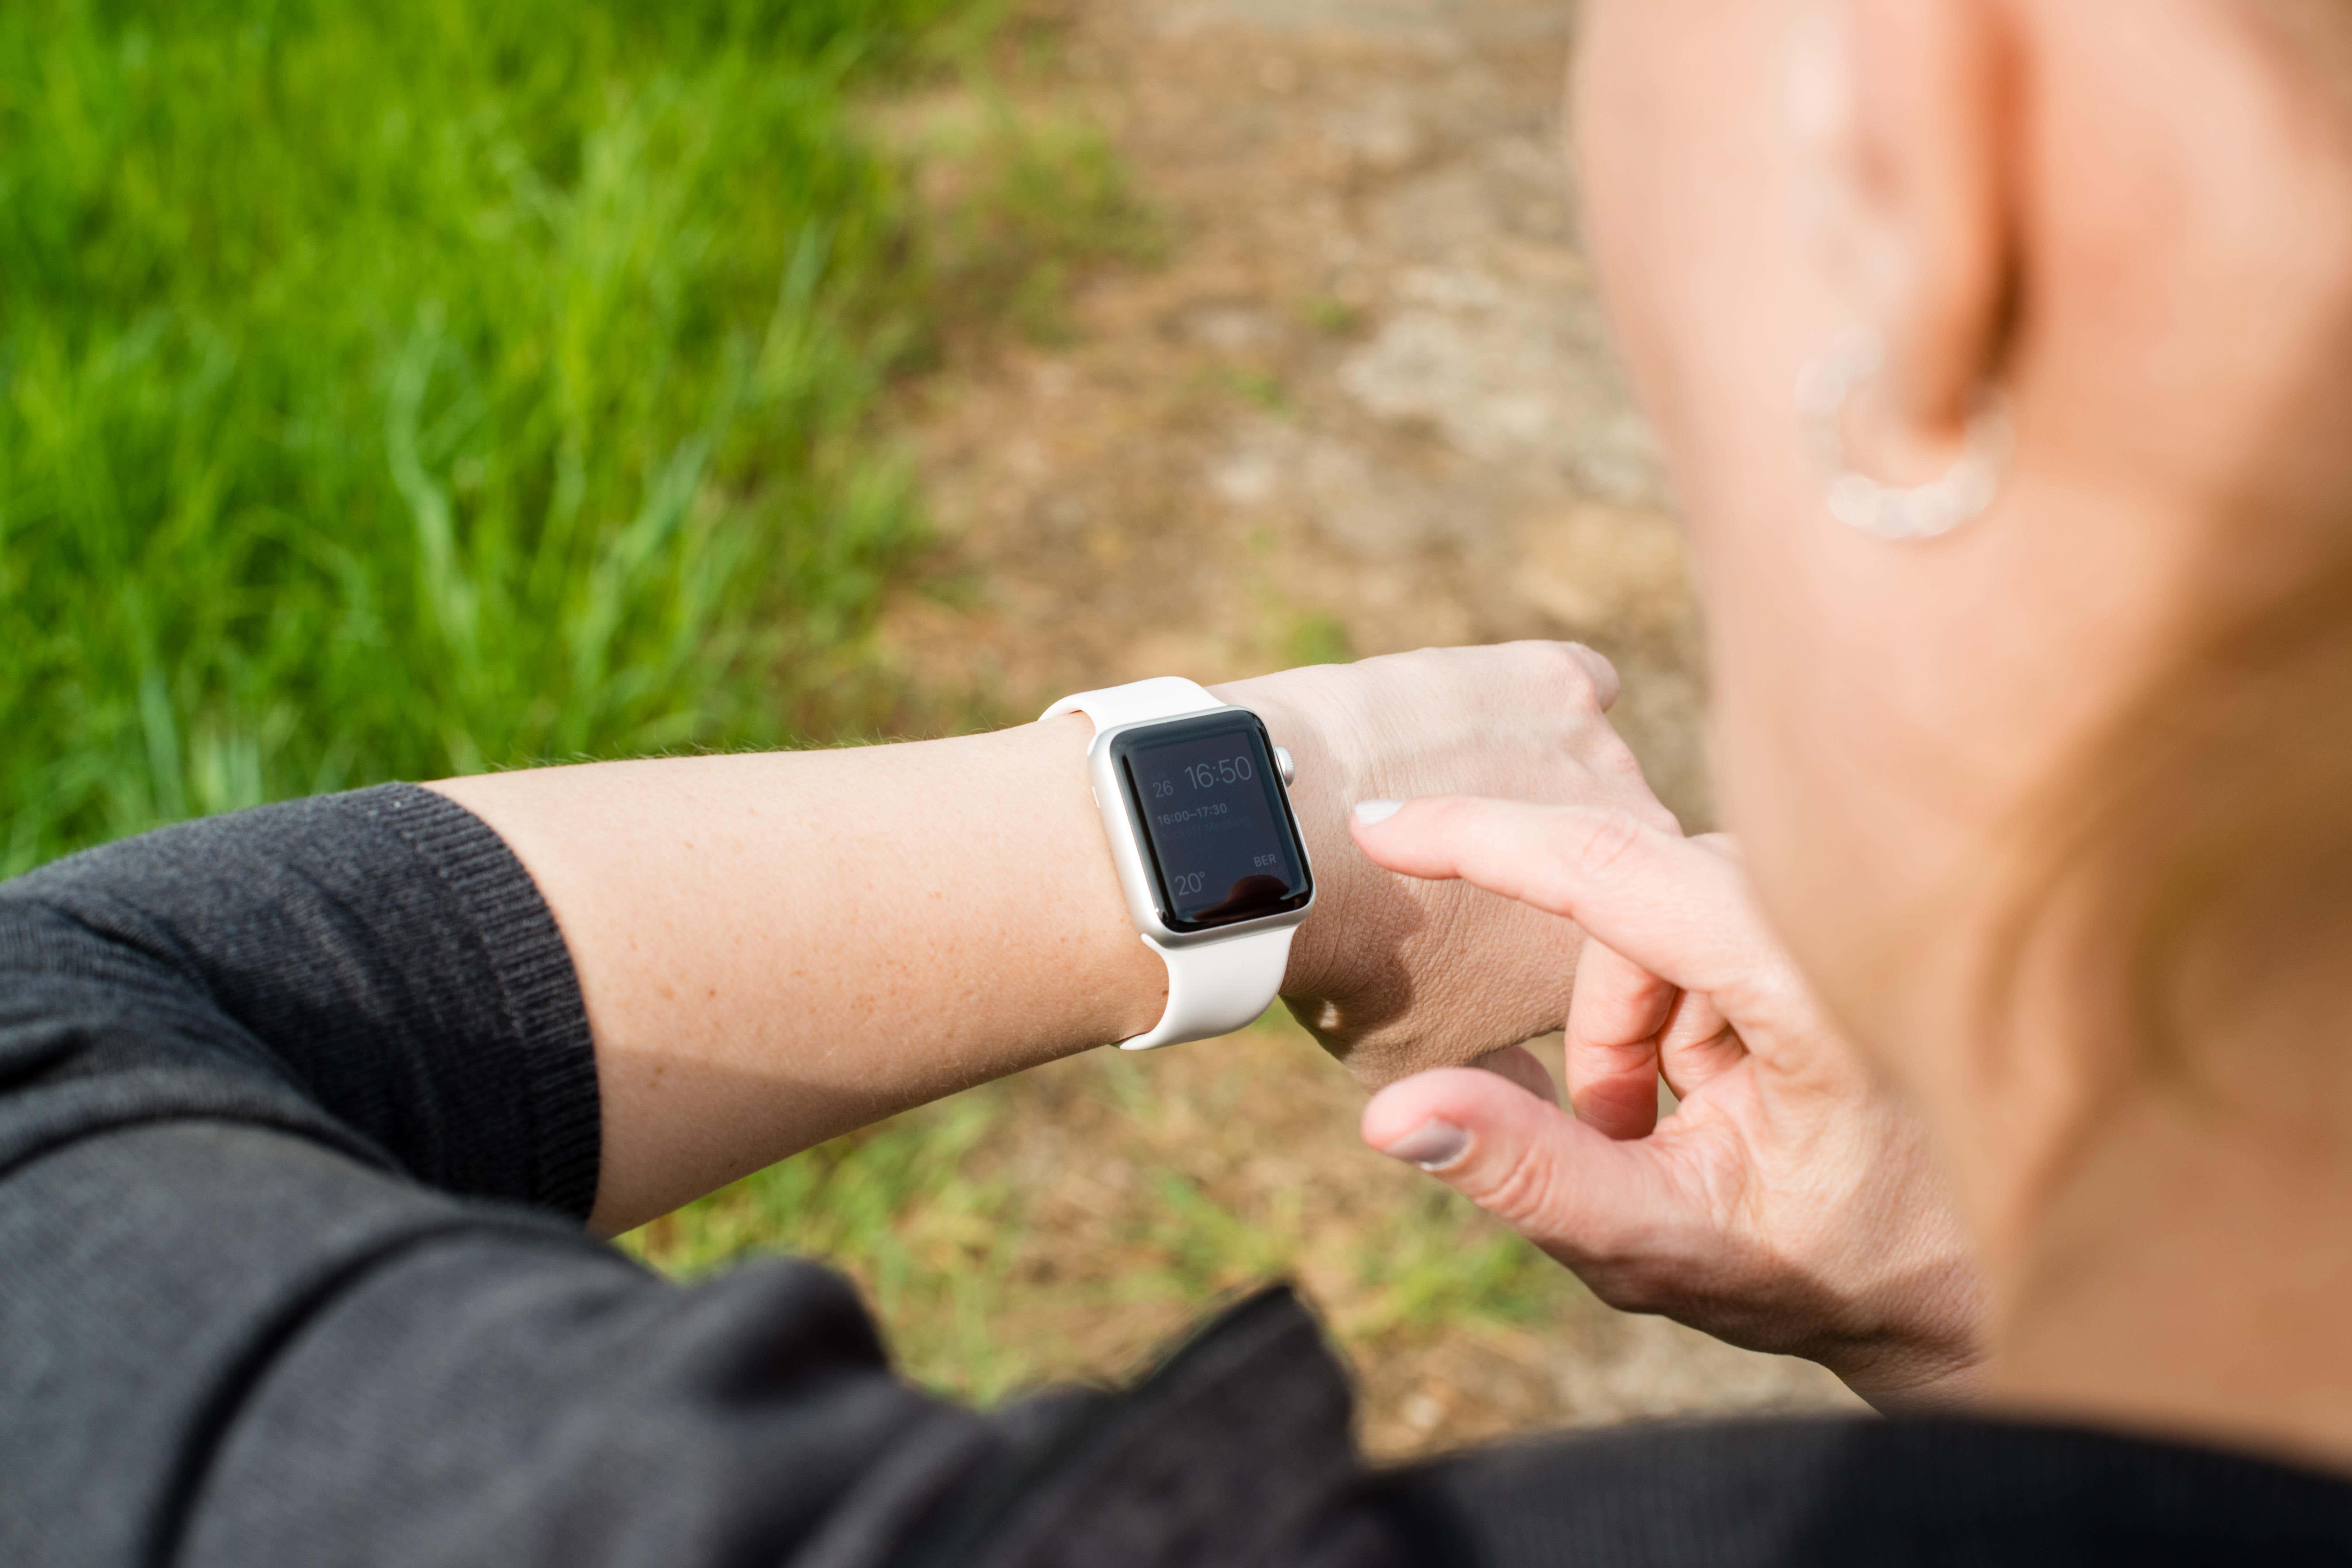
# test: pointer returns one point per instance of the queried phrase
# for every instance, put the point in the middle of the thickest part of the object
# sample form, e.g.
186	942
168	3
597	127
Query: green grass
1319	637
394	391
390	391
997	1261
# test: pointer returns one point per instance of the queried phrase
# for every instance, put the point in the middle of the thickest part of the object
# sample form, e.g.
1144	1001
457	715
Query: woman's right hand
1791	1204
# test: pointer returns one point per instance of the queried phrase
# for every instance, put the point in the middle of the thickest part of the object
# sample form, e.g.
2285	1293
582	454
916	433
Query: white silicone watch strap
1216	987
1162	697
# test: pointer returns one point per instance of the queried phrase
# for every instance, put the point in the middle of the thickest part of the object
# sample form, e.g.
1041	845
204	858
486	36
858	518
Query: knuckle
1558	668
1600	673
1514	1187
1571	671
1602	842
1614	757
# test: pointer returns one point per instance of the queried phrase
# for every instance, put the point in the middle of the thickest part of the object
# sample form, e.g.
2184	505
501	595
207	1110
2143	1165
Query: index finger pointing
1674	908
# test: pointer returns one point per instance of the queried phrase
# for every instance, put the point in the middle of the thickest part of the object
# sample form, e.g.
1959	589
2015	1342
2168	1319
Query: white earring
1893	511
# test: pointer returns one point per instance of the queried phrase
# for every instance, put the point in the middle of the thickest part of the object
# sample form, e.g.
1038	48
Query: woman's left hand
1396	977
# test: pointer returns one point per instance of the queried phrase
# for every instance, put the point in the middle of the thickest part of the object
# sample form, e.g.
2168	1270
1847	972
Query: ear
1897	107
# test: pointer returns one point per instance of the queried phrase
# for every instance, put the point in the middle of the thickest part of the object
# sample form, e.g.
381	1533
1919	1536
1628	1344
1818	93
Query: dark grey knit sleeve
375	969
297	1124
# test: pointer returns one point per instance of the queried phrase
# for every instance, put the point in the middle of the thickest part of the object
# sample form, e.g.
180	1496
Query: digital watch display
1194	800
1214	820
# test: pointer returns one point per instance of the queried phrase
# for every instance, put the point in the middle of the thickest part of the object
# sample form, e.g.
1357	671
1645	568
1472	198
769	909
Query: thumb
1563	1185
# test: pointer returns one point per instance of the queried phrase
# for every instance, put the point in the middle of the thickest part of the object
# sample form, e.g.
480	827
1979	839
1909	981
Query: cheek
1677	144
1686	169
1678	150
1621	121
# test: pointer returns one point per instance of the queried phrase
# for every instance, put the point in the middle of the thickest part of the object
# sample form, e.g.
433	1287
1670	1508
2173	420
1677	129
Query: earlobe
1896	108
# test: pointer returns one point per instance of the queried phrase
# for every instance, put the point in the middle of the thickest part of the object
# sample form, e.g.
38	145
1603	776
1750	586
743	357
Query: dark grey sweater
297	1127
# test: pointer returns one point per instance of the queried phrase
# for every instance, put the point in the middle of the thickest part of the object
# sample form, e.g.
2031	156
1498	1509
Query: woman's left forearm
775	949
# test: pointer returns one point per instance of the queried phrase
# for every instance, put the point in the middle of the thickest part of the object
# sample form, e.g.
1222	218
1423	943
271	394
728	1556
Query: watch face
1216	824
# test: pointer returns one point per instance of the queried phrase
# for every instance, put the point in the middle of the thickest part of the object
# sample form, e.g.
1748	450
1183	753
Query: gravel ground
1366	402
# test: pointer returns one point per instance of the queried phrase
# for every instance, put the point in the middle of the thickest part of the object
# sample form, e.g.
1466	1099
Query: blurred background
393	391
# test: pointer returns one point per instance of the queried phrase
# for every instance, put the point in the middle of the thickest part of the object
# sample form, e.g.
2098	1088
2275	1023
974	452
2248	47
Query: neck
2188	1274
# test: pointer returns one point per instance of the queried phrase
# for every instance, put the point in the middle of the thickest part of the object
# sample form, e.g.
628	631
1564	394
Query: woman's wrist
1320	798
1395	976
1120	981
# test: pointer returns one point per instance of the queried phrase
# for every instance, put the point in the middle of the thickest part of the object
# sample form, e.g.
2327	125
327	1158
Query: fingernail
1369	811
1432	1145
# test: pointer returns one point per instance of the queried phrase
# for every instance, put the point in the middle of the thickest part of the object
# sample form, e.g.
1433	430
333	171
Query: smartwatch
1196	806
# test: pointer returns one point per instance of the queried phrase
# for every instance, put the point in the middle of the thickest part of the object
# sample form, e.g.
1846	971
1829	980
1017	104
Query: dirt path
1366	404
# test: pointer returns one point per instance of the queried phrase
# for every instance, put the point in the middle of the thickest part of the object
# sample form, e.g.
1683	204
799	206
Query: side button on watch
1196	807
